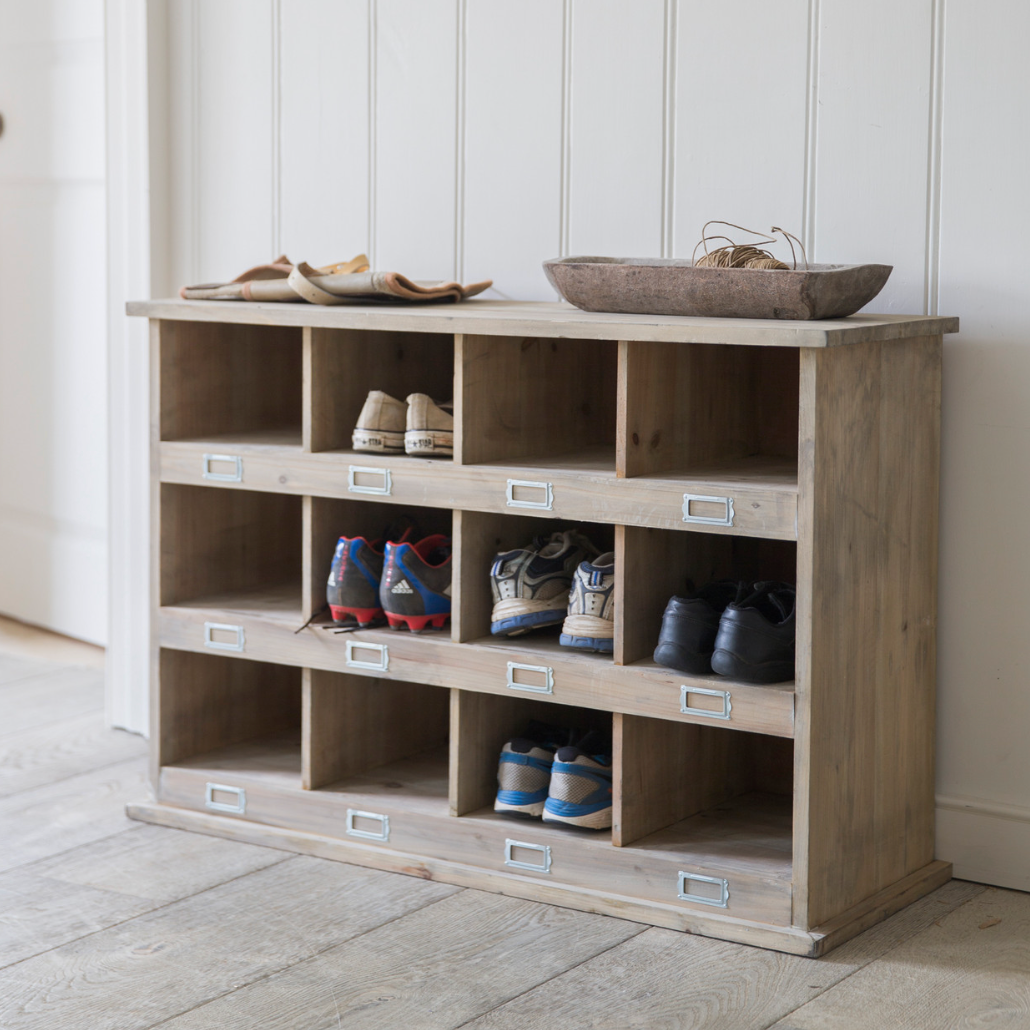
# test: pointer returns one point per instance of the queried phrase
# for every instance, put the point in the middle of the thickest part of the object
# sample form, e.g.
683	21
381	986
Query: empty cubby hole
344	365
685	408
657	564
367	735
231	548
229	714
230	382
480	726
479	537
328	519
666	772
541	402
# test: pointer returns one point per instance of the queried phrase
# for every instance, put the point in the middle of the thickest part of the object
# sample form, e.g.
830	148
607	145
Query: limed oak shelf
790	816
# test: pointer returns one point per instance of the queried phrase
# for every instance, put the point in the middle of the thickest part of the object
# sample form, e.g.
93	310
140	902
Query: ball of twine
747	255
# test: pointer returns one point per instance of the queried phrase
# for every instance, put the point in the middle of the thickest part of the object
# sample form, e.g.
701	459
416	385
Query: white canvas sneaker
430	429
380	427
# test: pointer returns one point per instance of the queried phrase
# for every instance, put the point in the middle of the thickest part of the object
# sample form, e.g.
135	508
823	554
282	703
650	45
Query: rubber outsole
533	811
363	616
524	623
599	820
417	623
375	441
428	442
602	645
673	656
732	666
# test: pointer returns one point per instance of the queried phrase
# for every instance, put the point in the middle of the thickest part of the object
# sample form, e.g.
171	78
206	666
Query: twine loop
745	255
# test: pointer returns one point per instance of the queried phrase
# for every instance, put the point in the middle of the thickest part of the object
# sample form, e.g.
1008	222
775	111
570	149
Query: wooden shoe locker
790	816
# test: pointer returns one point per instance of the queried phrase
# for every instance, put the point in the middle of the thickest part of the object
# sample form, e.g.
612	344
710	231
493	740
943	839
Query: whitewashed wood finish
234	159
871	142
617	88
415	140
739	116
512	179
984	705
53	430
323	130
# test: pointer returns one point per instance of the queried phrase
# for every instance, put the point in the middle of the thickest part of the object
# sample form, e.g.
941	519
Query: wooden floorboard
432	970
970	969
667	979
55	901
105	923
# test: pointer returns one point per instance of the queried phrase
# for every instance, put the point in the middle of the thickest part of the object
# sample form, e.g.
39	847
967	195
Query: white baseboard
986	841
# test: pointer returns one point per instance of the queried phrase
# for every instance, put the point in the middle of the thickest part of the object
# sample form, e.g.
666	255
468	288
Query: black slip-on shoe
755	642
689	627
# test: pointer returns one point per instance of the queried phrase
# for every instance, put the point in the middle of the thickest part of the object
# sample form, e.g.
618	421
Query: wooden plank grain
544	319
971	967
57	750
53	818
232	934
433	969
668	980
93	886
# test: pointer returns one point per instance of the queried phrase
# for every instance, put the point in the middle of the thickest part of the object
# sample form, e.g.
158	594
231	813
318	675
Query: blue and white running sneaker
524	772
581	788
590	623
531	585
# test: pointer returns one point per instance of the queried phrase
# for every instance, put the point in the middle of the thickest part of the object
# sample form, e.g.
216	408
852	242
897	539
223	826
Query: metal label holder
547	687
236	476
685	708
722	901
545	504
544	850
383	820
223	645
380	664
386	488
726	519
235	808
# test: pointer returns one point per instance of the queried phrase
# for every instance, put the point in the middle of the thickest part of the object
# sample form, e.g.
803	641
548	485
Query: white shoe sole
429	441
377	441
592	821
512	607
588	626
534	810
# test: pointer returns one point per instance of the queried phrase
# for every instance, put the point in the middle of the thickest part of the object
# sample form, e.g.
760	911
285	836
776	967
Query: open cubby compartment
228	723
656	564
480	726
479	537
375	736
668	772
231	549
327	519
546	403
230	384
690	409
343	365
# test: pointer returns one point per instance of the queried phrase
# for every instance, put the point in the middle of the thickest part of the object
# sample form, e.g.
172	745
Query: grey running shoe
590	623
531	585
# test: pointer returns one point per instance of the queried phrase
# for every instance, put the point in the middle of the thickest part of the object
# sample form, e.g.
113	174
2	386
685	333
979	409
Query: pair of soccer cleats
395	579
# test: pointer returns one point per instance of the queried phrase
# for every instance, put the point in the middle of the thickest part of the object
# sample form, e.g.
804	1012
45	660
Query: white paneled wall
475	138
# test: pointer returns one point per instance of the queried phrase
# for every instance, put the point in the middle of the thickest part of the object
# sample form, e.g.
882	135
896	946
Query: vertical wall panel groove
276	227
811	131
459	144
670	52
933	184
566	126
372	242
194	141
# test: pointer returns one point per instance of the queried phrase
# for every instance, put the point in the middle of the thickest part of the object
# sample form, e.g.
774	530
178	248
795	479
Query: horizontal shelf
403	806
579	487
577	678
550	319
279	603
